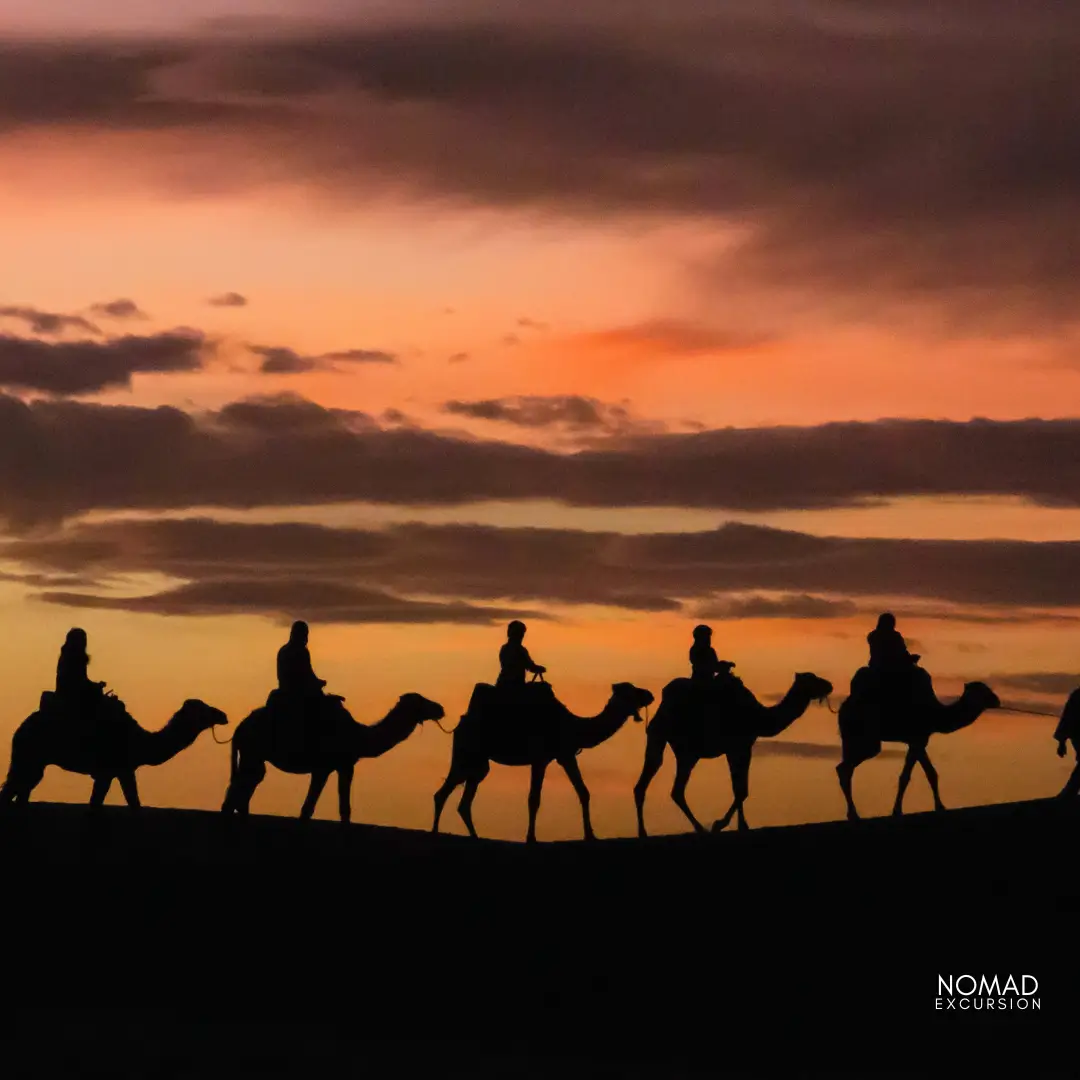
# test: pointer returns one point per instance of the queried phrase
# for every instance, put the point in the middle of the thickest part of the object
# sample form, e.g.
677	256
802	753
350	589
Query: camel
267	735
553	733
863	728
730	733
47	737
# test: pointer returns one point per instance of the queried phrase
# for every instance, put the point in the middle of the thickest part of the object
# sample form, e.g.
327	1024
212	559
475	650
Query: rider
296	677
888	650
891	665
73	685
514	658
704	663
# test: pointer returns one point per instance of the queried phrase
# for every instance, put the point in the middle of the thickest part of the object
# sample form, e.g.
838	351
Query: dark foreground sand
182	944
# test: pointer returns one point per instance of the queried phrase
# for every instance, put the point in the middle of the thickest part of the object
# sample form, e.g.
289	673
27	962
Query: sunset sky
411	318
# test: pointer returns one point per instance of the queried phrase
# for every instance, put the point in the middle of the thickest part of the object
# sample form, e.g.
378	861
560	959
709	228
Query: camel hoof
853	816
718	826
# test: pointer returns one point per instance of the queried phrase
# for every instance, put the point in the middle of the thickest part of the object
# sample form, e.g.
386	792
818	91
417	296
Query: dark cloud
62	458
327	602
868	148
277	360
47	323
785	607
677	337
120	309
457	358
230	299
570	411
1052	683
361	356
658	572
86	367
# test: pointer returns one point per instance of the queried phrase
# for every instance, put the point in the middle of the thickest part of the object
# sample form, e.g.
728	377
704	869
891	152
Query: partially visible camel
864	727
1068	730
49	737
552	733
277	737
730	731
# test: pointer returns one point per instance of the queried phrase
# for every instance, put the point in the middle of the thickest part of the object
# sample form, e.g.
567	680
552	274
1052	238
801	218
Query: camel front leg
683	768
739	771
845	772
472	782
344	793
570	766
654	758
315	789
535	788
452	780
248	778
931	777
1072	785
905	778
130	789
100	790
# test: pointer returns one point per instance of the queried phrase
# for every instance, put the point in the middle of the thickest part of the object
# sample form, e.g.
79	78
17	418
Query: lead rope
220	742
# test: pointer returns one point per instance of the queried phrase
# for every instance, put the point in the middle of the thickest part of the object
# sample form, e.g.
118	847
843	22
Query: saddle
893	690
529	701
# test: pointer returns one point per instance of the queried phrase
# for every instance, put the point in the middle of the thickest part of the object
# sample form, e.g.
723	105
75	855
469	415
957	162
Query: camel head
420	708
632	698
815	688
201	715
981	696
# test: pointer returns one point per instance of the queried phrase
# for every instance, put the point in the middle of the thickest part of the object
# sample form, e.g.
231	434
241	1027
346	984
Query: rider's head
702	633
76	638
886	621
299	631
515	631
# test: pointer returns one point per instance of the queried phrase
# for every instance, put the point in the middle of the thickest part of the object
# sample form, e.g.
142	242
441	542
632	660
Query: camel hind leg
19	783
655	745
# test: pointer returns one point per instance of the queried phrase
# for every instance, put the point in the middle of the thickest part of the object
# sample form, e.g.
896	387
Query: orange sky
492	302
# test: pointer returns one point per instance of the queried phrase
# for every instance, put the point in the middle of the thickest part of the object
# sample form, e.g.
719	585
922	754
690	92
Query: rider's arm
537	669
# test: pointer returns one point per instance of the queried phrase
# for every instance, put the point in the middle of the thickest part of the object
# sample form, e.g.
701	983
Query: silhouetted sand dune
829	938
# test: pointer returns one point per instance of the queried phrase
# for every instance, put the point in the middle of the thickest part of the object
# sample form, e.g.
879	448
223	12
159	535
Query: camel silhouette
731	732
268	735
552	733
1068	730
76	745
864	727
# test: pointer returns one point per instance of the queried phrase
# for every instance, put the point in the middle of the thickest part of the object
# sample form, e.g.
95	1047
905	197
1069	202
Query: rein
1030	712
220	742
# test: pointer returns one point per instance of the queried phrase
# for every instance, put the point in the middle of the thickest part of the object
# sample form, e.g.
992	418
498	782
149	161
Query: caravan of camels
301	729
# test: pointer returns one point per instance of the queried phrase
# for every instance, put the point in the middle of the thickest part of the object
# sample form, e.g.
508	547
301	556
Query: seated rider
888	650
514	659
705	665
296	677
73	684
